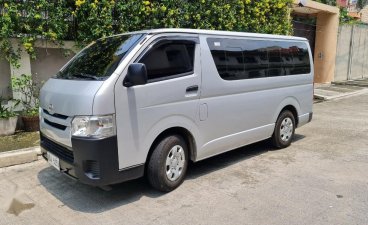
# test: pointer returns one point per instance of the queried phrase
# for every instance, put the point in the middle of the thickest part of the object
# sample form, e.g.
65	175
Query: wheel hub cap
286	129
175	162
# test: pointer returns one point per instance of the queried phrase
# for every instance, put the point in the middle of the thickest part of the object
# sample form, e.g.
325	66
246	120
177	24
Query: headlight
94	126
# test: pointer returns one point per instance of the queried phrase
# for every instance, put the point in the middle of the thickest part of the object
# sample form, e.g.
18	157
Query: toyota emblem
51	109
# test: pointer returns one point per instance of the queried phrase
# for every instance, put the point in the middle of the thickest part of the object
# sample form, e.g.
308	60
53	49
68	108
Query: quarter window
169	58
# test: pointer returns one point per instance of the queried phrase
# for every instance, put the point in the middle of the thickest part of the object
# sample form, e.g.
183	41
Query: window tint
300	59
246	59
169	58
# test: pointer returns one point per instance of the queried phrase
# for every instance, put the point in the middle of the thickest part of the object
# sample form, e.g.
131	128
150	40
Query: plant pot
7	126
31	123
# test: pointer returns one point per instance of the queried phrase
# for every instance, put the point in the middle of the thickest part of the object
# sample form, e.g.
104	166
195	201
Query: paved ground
341	89
321	179
360	82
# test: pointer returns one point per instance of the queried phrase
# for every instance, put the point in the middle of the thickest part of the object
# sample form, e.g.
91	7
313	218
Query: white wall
50	58
5	90
48	63
352	53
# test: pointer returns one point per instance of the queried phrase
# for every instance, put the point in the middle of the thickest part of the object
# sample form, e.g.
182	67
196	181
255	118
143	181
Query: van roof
217	32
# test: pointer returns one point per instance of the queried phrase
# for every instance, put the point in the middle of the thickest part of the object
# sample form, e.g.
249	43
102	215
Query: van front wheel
284	130
168	163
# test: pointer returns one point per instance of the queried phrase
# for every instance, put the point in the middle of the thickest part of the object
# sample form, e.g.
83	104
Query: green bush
6	112
86	20
30	91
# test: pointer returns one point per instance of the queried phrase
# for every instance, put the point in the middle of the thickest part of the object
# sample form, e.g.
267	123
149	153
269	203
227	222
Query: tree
361	4
327	2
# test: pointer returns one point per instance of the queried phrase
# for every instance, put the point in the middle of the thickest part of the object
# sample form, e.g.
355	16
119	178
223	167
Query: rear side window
168	59
237	59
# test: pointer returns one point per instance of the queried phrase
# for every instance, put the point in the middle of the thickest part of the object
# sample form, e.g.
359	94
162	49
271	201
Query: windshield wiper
85	75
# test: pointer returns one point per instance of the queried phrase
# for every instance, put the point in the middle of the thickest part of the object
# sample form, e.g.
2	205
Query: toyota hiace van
148	102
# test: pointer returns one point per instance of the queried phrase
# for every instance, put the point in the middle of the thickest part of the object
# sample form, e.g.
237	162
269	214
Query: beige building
327	24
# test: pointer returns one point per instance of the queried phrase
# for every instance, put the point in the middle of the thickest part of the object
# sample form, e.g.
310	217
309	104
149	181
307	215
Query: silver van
148	102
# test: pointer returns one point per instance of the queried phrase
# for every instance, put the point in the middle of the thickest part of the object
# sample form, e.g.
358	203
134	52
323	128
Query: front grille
55	115
56	125
56	149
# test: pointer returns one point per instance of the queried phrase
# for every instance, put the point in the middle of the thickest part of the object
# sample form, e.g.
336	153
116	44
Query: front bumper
91	161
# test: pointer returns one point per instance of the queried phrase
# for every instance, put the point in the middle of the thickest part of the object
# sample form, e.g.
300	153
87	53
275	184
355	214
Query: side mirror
137	75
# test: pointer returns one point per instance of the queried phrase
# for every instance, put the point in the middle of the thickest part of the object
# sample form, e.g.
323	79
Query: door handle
193	88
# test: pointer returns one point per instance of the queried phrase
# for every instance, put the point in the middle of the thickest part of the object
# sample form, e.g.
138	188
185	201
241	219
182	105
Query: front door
170	96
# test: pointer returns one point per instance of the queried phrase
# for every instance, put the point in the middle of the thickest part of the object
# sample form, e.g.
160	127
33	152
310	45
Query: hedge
86	20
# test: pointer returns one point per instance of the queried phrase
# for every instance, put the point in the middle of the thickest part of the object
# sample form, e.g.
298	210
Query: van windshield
100	59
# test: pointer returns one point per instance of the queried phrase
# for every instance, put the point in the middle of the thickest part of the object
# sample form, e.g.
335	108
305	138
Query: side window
169	58
229	58
275	62
237	59
300	59
255	52
292	59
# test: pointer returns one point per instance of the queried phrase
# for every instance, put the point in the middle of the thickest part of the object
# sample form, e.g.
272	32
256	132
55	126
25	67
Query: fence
352	53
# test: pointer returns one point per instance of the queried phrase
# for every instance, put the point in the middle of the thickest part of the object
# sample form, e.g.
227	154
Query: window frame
150	47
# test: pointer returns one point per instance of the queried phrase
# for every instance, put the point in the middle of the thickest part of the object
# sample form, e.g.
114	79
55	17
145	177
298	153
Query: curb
326	98
21	156
351	83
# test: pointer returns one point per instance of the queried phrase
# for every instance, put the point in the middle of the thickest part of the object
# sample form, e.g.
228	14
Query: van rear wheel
284	130
168	163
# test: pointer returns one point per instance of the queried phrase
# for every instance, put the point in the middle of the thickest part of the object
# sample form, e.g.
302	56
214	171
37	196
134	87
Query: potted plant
29	93
8	120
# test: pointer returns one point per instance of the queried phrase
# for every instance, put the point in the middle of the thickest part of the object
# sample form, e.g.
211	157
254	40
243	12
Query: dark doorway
305	26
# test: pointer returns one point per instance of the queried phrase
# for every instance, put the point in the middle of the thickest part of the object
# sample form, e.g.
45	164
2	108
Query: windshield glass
100	59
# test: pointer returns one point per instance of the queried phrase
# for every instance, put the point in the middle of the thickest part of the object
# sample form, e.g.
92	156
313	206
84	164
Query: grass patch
19	140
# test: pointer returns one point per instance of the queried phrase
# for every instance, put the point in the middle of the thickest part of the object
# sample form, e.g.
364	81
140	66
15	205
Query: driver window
169	59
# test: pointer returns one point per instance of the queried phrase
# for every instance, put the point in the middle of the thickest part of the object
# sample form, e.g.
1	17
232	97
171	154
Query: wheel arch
292	109
290	104
183	132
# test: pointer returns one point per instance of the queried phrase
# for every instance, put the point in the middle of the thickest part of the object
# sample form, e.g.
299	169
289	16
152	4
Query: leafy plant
29	94
362	3
84	21
328	2
6	112
345	18
344	15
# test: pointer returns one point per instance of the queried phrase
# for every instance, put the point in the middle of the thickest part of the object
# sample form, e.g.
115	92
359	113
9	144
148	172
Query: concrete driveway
320	179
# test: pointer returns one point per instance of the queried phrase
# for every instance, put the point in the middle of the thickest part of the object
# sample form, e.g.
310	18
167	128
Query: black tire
278	139
156	170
